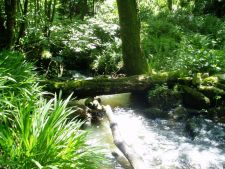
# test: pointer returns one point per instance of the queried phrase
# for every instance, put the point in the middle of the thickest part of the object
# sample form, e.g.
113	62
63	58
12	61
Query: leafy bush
34	42
213	7
35	133
43	137
109	61
80	44
17	80
182	41
201	60
160	40
83	43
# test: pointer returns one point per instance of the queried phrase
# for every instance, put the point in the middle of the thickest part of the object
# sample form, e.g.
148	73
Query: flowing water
163	144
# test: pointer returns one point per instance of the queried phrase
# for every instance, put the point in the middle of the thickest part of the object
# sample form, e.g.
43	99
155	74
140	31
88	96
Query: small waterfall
164	144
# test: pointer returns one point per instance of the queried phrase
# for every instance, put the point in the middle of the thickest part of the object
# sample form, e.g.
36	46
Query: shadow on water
163	143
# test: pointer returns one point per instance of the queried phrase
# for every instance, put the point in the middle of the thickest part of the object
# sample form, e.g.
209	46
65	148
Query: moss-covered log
107	85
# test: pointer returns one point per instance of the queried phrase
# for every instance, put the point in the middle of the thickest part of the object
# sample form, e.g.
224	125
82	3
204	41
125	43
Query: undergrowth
34	132
180	40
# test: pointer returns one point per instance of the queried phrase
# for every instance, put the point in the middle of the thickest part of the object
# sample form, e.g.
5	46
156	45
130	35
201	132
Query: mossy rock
194	99
197	79
154	113
221	78
185	81
210	80
164	98
215	94
217	114
179	113
220	86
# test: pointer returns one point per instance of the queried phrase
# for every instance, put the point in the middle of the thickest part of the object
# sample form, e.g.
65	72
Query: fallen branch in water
136	161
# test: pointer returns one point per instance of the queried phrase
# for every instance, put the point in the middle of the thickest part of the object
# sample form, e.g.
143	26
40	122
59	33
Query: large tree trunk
23	23
50	10
10	10
82	8
170	4
134	62
2	29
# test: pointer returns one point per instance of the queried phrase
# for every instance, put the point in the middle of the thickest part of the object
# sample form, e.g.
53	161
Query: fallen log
136	161
210	86
107	85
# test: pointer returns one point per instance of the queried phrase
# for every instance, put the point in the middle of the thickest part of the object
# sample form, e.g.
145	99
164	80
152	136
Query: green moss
194	99
196	94
220	86
197	79
58	84
211	91
221	78
160	77
210	80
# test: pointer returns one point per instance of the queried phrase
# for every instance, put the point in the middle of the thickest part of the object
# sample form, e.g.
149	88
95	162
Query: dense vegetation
36	133
64	36
184	41
52	38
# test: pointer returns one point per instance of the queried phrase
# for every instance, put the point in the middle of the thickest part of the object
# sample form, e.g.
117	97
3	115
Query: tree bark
53	11
104	85
10	10
170	4
2	27
2	30
23	24
134	62
135	160
137	83
37	12
82	8
50	9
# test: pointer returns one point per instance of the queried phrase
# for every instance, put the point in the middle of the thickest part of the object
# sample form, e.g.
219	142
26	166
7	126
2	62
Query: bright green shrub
42	136
78	43
34	132
82	43
200	59
160	40
181	41
34	43
17	79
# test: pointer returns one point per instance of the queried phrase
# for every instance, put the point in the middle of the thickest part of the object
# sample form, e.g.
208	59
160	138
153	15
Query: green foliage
91	45
34	132
214	7
182	41
17	80
163	97
109	61
88	44
160	39
33	43
158	90
43	137
198	57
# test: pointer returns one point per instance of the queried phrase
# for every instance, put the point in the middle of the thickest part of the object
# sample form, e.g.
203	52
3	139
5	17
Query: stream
163	144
